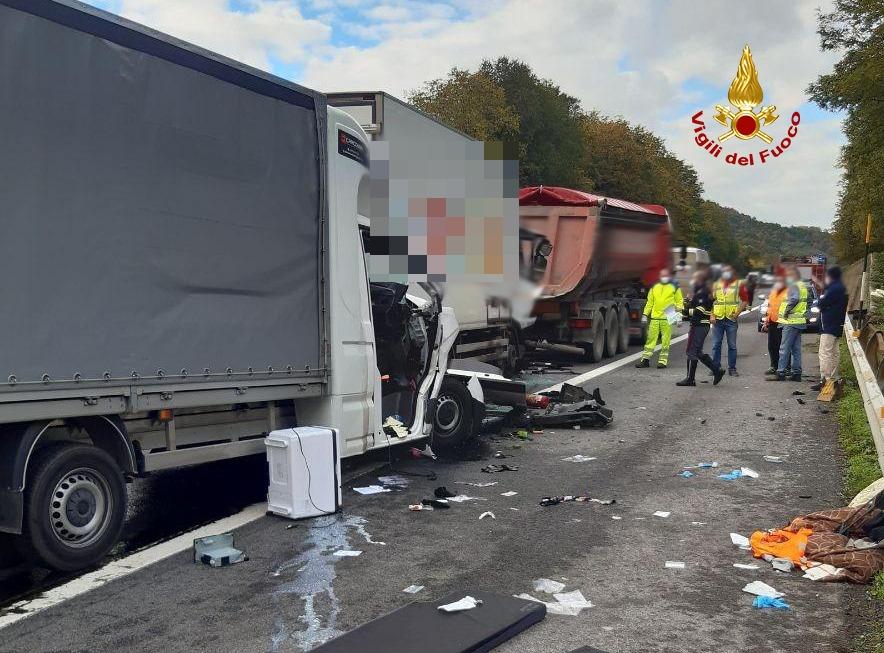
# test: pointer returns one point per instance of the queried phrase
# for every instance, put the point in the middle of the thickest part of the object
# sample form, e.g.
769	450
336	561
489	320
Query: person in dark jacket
697	310
833	308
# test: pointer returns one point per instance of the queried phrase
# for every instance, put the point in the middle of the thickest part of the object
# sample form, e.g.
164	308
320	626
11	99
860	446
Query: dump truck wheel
594	351
74	508
612	333
453	423
623	334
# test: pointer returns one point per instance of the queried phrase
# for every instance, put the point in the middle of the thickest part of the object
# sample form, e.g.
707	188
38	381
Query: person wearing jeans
793	317
730	299
771	324
833	309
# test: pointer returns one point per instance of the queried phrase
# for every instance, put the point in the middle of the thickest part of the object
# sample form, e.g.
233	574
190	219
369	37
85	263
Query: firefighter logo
745	94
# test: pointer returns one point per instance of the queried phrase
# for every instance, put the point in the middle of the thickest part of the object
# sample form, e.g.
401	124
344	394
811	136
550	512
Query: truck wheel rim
79	507
447	414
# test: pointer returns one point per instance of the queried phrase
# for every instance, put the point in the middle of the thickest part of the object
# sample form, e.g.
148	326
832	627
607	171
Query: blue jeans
729	328
790	347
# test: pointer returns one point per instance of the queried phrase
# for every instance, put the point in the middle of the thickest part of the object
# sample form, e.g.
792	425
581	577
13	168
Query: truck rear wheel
74	508
612	333
453	424
623	334
594	351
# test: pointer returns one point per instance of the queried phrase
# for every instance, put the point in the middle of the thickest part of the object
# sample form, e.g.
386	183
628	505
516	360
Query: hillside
761	243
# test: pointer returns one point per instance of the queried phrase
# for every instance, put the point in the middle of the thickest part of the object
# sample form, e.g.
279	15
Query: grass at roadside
860	469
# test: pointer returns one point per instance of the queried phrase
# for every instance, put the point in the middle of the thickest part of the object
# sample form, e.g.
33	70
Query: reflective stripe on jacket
798	314
661	297
727	300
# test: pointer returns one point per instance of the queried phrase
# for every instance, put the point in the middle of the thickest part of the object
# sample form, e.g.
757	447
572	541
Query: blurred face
779	282
665	277
727	273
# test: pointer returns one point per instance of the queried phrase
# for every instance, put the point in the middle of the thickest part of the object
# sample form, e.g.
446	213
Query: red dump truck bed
597	242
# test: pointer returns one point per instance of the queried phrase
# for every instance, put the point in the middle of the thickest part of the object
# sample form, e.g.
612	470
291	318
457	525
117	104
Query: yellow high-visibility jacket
661	297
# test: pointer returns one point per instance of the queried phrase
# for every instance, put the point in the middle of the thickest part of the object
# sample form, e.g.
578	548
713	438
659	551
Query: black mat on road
423	627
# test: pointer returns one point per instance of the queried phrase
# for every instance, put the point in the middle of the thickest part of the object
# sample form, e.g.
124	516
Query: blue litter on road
731	476
686	474
769	602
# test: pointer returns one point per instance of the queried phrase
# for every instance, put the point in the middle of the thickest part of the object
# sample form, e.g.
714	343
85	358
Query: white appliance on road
305	472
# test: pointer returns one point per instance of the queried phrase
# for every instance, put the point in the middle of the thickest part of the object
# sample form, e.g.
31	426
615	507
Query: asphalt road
293	593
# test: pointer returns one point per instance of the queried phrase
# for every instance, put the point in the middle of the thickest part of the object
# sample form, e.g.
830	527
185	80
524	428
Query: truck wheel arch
19	442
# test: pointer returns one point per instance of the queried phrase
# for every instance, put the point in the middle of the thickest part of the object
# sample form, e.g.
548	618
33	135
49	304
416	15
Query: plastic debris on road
511	493
487	514
460	498
466	603
395	481
413	589
774	459
673	564
731	476
686	474
662	513
781	564
489	484
616	517
417	507
579	458
740	565
548	586
569	604
347	554
751	473
217	551
371	489
493	469
758	588
702	466
821	572
740	540
769	602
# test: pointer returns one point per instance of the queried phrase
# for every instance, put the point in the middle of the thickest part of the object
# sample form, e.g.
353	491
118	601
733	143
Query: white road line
580	379
125	566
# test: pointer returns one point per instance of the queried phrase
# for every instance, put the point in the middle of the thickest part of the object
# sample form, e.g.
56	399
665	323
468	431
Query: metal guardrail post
873	400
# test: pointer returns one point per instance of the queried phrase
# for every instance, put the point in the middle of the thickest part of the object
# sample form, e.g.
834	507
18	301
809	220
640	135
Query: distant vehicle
686	261
765	281
812	315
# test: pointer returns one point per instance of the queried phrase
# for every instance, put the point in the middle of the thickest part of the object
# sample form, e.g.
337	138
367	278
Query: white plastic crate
305	472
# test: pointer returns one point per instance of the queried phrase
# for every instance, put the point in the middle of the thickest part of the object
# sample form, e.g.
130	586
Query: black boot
692	373
643	362
717	372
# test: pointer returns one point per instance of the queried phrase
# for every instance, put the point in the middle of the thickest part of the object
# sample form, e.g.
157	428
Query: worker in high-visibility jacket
662	309
793	318
730	298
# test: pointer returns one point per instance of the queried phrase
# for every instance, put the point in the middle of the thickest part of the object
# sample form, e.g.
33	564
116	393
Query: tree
856	85
470	102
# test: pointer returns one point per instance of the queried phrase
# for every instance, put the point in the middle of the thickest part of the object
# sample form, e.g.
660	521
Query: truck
178	250
490	332
600	255
687	260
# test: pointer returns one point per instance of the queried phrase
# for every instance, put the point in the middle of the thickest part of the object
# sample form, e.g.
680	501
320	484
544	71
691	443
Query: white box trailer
488	331
176	241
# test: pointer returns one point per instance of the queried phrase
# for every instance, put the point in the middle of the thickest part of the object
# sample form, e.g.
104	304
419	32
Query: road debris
436	503
673	564
571	406
548	586
661	513
769	602
394	481
371	489
740	540
774	459
442	492
740	565
347	554
466	603
579	458
759	588
485	514
511	493
489	484
554	501
413	589
217	551
395	427
426	452
686	474
460	498
493	469
569	604
417	507
751	473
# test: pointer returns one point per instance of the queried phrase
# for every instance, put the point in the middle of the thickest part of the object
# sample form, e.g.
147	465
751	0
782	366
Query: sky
652	62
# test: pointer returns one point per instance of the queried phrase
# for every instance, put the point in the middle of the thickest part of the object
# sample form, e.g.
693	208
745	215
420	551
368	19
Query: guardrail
867	353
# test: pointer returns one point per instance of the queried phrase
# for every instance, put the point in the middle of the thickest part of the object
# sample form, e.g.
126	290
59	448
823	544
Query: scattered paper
347	554
394	427
466	603
758	588
394	481
460	498
751	473
569	604
508	494
579	458
616	517
417	507
819	572
662	513
673	564
698	523
487	514
413	589
782	564
548	586
573	599
476	484
740	565
773	459
740	540
371	489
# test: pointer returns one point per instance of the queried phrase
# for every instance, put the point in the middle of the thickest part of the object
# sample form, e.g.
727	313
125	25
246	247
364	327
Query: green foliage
762	243
855	28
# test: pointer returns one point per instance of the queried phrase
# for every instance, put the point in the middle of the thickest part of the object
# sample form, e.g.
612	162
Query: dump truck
489	330
599	255
178	251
